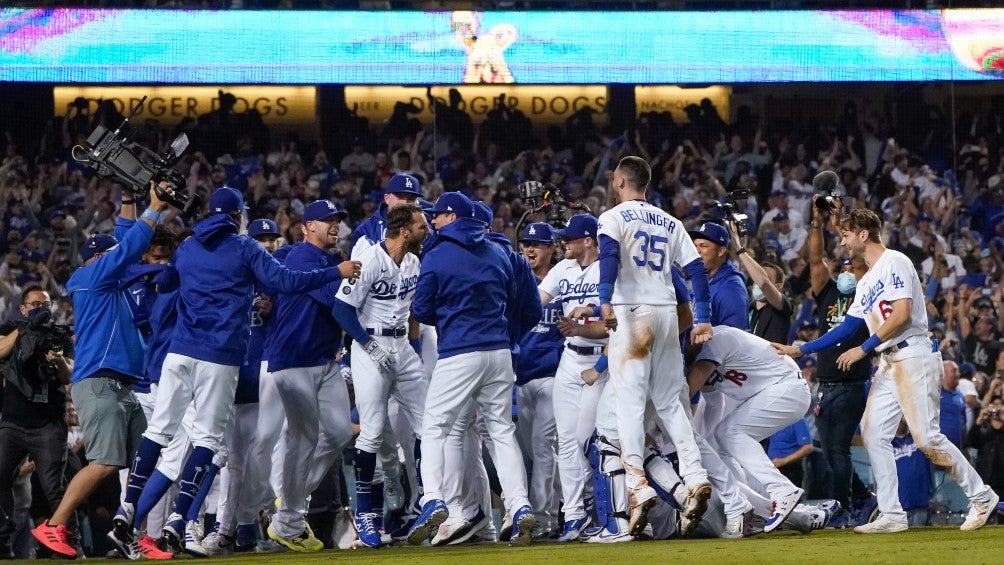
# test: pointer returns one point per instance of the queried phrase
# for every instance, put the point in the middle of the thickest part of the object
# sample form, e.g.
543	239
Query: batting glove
383	357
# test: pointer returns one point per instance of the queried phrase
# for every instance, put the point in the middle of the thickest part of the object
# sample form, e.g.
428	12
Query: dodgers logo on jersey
871	295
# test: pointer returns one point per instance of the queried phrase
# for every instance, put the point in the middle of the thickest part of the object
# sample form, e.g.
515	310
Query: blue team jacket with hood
466	288
373	227
219	270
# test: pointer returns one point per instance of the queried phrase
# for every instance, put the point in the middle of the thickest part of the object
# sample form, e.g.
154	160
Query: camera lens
824	203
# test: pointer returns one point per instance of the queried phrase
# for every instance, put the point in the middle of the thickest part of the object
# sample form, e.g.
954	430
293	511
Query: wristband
740	251
151	214
601	363
128	202
597	311
702	312
606	292
871	343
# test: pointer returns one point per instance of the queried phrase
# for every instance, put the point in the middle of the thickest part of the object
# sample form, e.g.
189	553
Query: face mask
39	315
758	294
846	282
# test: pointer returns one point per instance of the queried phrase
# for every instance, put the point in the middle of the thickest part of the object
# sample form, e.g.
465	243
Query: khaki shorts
111	418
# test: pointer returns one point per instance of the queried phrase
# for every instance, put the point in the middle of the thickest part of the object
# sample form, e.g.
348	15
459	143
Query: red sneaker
56	538
148	547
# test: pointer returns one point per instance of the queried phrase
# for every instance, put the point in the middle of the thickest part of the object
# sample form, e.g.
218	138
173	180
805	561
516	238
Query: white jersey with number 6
650	242
747	364
891	278
384	290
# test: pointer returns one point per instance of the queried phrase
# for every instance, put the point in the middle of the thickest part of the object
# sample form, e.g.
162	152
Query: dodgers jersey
572	285
746	364
891	278
650	242
383	292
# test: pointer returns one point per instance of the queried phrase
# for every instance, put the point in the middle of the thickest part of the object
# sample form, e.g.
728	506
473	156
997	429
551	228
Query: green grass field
919	545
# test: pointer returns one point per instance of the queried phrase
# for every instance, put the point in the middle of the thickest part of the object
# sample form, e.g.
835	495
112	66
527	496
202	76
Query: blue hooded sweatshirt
163	319
250	372
372	228
111	340
729	298
219	270
463	289
526	299
540	348
303	331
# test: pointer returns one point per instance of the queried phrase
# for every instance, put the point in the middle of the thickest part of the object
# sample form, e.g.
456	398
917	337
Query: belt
901	345
388	332
596	350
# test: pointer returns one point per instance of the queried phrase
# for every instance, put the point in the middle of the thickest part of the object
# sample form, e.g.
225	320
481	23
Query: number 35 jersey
650	242
891	278
746	364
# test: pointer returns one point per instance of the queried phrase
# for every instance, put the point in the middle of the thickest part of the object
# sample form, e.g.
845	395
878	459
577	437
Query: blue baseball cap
483	213
322	210
97	243
263	227
402	183
226	200
537	232
712	232
579	226
454	203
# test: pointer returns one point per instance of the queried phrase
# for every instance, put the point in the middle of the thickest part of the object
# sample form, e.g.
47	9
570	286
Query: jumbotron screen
413	48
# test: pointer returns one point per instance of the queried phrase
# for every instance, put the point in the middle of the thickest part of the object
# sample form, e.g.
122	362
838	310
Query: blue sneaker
368	527
245	538
573	529
433	514
840	520
522	524
864	510
782	507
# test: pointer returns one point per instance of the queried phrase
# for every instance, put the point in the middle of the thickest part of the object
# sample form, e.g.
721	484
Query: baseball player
638	244
402	188
300	356
217	269
890	300
573	283
467	305
374	310
772	395
241	429
540	350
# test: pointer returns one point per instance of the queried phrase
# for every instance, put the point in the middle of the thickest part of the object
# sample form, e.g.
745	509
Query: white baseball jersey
747	364
383	292
573	285
650	242
891	278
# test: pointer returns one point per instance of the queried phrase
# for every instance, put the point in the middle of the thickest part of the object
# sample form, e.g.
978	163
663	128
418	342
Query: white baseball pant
321	429
646	366
907	385
486	377
372	388
239	438
756	419
158	515
264	461
537	436
465	478
575	418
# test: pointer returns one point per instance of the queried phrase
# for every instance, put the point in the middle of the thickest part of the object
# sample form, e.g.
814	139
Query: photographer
109	362
771	311
37	359
987	436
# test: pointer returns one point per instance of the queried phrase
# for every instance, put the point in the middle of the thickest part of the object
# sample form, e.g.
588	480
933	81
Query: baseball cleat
642	500
125	543
174	533
782	507
193	537
864	510
459	532
506	531
737	526
979	512
245	538
697	502
433	514
214	543
400	533
603	535
882	525
367	529
148	547
522	526
393	493
573	529
303	543
840	520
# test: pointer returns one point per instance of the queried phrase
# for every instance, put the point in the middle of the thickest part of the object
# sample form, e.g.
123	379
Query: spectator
788	448
987	437
953	405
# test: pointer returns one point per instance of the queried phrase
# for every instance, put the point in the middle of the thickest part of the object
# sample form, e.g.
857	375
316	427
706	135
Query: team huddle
615	438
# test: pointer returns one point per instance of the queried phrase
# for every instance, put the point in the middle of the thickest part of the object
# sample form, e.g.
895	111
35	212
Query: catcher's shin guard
609	488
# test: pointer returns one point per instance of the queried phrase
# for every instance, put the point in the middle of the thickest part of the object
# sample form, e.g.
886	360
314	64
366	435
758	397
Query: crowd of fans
944	208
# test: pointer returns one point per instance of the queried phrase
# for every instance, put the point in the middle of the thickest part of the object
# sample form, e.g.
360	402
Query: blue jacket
463	289
519	307
106	336
219	270
729	298
250	371
163	319
303	331
373	227
540	348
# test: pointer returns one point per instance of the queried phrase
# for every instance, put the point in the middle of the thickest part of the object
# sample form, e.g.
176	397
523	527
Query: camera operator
771	311
109	361
37	359
987	436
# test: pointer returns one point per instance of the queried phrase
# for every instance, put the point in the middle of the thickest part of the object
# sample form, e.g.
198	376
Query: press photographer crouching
36	360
